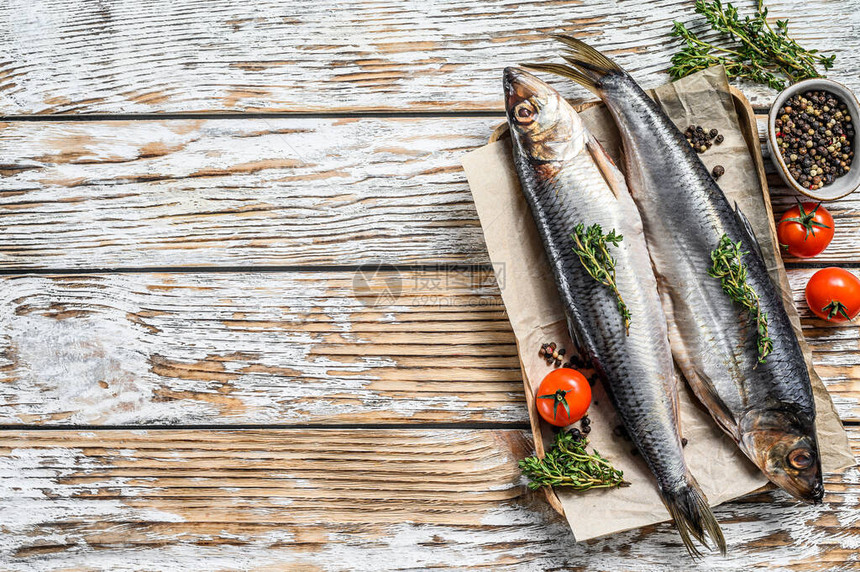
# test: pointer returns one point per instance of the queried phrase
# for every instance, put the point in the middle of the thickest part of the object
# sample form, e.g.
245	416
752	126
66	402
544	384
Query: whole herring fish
568	180
764	403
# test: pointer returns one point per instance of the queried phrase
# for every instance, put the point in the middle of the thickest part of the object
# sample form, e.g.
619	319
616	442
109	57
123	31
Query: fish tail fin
588	67
693	516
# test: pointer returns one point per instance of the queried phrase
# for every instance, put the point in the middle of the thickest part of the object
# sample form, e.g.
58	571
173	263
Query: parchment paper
536	315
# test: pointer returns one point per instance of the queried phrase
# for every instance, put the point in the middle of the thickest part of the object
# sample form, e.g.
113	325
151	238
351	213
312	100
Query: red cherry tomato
833	294
805	231
563	397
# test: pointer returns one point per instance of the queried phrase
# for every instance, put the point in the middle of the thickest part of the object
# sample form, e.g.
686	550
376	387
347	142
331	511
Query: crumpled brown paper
536	315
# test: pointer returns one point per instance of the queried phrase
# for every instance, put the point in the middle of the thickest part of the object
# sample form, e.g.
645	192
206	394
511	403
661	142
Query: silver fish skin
567	179
767	408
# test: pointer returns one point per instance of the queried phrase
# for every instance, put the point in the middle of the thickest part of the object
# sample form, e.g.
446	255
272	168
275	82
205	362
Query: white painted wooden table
192	376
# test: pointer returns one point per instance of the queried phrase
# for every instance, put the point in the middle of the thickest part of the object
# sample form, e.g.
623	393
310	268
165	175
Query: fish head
543	124
784	446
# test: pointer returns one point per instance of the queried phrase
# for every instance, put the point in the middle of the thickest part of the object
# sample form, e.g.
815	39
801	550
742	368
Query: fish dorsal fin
748	230
704	389
611	174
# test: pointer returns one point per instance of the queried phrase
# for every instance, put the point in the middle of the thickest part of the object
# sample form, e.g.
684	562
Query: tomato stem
806	219
835	308
558	397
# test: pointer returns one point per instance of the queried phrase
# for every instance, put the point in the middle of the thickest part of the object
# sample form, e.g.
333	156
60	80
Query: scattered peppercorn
575	433
815	135
585	421
718	171
621	431
700	139
552	353
683	441
586	430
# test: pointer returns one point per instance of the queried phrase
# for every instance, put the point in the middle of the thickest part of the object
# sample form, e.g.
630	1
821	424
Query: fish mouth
520	85
817	496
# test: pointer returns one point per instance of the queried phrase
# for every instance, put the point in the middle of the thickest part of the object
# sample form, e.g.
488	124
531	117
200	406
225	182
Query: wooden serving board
748	128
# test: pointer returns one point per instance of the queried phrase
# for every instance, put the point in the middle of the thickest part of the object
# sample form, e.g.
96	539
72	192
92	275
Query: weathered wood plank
256	348
237	192
234	348
335	499
126	56
108	194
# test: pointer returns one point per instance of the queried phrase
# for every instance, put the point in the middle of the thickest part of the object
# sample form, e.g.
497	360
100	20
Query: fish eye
524	113
800	458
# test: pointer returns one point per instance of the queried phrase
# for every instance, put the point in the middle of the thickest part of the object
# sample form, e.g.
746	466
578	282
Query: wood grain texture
262	348
113	194
314	500
153	56
257	348
237	192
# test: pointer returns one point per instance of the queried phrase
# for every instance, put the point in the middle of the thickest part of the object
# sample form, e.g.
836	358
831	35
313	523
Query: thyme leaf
568	464
758	51
728	266
590	245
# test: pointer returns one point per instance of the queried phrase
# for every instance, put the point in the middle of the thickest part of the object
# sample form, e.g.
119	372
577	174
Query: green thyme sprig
761	52
590	245
732	272
568	464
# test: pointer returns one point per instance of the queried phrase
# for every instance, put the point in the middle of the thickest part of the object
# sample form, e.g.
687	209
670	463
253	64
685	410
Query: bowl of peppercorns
812	137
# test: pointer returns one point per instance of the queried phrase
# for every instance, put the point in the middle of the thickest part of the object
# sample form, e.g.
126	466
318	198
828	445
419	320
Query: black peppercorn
718	171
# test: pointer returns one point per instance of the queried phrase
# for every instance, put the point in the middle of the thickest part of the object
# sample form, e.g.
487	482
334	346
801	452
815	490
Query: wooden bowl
843	185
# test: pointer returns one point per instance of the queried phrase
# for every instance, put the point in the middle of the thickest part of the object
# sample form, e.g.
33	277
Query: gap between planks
265	269
497	113
423	426
442	114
